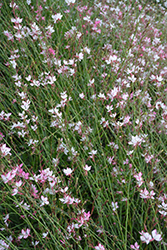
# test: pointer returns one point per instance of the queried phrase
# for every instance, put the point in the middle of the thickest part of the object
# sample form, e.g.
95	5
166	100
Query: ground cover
83	125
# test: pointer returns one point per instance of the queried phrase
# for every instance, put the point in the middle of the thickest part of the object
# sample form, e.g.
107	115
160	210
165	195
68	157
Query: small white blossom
28	2
114	206
87	168
68	171
82	95
5	150
69	1
25	105
156	236
145	237
57	17
44	201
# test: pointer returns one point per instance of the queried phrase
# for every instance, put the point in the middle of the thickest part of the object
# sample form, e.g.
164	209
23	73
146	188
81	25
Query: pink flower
145	237
83	218
1	136
51	51
135	246
34	191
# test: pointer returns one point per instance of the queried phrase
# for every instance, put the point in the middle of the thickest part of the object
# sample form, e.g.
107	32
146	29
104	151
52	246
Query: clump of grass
83	125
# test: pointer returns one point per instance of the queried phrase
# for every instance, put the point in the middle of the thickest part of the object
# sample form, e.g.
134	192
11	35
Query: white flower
3	245
14	64
25	105
56	17
87	50
162	212
35	243
55	161
136	140
132	78
24	234
18	183
145	237
114	206
28	2
159	78
67	199
25	206
5	150
22	95
87	168
82	95
16	20
101	95
109	108
69	1
6	219
79	56
44	235
44	201
92	153
50	29
91	82
111	59
13	5
135	246
156	236
67	171
100	247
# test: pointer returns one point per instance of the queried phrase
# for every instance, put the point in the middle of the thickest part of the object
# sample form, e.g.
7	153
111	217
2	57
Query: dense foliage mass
83	125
